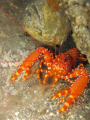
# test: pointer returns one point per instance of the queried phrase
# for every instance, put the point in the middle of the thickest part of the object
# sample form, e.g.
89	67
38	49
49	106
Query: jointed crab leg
31	59
58	67
76	89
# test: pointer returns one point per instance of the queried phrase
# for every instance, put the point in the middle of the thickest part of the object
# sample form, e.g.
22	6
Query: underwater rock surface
42	23
78	12
43	20
25	100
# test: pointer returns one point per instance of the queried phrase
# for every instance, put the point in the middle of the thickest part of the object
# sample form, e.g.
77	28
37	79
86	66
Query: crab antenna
50	49
60	48
20	26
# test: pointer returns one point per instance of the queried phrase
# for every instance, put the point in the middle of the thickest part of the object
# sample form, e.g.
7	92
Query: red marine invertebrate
59	67
62	66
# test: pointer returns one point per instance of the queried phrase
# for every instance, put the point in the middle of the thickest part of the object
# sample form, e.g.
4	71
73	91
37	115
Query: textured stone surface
42	23
26	100
78	12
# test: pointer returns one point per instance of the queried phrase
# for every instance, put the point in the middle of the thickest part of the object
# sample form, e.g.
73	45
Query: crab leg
76	89
74	53
31	59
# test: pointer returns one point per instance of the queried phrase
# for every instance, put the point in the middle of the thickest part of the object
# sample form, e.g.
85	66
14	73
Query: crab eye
65	60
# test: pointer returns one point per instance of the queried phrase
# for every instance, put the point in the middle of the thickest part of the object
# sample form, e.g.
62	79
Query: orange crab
59	67
62	66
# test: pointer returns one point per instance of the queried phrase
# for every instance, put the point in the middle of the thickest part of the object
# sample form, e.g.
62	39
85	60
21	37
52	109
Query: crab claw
69	101
76	88
29	61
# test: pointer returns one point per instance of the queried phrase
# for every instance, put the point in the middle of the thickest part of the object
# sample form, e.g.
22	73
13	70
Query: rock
78	13
42	23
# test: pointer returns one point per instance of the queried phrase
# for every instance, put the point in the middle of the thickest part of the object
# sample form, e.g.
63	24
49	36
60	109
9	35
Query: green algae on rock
42	23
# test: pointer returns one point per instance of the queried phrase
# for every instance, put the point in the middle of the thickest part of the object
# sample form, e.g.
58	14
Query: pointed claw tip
13	79
61	110
53	97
